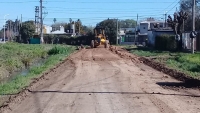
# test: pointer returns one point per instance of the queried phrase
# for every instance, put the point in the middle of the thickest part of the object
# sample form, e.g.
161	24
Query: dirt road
99	81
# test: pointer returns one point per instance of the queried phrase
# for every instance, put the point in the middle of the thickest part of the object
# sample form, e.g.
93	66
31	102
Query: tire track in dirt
100	81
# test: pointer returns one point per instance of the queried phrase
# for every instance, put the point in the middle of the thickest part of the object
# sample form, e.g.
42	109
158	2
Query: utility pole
117	33
9	31
193	23
37	18
135	28
19	29
165	18
5	27
41	22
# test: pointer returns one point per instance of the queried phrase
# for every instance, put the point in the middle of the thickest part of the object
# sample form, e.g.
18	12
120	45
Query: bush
57	50
165	42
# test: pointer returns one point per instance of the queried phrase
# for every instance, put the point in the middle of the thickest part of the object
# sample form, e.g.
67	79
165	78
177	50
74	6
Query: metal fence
187	41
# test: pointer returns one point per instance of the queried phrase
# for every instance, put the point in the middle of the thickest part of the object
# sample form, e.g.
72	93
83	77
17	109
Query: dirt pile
172	72
189	81
124	54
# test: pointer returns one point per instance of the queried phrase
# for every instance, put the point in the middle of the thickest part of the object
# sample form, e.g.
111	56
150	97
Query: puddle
24	71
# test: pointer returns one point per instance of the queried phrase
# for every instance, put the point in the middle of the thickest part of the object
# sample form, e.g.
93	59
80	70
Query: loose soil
104	81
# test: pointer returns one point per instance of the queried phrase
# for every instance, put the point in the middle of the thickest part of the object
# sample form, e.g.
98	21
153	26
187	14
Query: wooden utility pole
41	22
193	23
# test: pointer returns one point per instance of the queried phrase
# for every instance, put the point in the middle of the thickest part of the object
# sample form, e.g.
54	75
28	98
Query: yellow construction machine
100	38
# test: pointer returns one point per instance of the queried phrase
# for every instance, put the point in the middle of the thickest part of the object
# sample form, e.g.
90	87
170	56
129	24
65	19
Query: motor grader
100	38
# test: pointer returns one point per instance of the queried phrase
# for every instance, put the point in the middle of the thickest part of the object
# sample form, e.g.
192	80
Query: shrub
165	42
57	50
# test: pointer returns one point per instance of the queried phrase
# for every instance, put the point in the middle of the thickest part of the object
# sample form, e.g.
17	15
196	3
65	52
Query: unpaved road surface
99	81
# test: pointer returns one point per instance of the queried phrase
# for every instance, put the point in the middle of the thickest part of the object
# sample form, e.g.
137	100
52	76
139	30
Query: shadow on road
187	84
127	93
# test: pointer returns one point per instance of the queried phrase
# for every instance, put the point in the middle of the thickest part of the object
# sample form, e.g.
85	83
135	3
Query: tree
128	23
67	27
78	26
9	29
186	6
70	20
54	20
86	30
176	25
110	26
1	33
27	30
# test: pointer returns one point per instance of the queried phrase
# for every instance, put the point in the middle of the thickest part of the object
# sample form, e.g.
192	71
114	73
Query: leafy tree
27	30
128	23
87	30
110	26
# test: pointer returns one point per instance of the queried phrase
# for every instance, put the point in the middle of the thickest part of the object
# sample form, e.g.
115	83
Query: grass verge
57	54
16	56
184	62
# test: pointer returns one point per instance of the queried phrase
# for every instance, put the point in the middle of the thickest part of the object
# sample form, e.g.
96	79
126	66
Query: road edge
157	66
24	92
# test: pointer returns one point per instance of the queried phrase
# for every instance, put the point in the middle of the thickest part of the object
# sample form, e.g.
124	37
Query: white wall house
60	30
144	27
151	29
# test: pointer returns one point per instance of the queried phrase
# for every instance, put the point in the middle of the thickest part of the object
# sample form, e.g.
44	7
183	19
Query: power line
171	4
173	7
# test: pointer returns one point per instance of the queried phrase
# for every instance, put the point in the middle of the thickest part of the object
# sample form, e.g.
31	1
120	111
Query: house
127	35
56	30
157	32
148	30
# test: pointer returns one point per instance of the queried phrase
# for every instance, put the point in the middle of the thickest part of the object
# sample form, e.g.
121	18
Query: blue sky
89	11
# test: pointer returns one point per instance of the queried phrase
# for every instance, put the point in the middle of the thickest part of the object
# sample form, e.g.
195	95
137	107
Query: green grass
184	62
19	82
187	63
15	56
145	52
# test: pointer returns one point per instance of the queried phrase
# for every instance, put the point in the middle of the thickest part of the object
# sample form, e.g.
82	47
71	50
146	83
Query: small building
57	30
148	30
127	35
157	32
